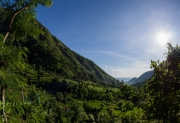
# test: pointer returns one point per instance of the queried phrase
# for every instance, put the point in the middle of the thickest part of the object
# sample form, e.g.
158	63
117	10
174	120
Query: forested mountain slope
49	54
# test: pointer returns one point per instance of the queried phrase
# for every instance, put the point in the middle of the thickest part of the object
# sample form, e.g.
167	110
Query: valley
44	81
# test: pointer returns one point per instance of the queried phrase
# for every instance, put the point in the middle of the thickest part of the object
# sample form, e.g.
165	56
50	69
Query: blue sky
120	36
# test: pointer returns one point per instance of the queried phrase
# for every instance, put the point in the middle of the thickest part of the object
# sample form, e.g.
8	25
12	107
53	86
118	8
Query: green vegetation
43	81
164	88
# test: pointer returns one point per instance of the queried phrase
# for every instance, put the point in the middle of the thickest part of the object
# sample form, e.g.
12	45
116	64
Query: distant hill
144	77
124	79
132	81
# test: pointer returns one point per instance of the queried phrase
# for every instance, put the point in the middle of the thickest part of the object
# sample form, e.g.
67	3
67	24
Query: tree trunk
3	102
11	22
5	37
22	94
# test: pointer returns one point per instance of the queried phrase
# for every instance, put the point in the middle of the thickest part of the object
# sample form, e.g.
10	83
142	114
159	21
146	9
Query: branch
12	19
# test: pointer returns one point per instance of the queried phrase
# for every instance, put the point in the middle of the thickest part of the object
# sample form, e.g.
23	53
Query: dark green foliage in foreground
73	105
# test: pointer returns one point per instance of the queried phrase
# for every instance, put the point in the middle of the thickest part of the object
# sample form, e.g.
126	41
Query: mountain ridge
142	78
50	54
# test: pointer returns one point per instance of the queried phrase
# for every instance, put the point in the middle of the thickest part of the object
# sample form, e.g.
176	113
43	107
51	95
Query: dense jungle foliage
43	81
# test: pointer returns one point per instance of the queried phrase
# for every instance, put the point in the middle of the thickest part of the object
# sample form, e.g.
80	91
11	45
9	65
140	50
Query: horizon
121	37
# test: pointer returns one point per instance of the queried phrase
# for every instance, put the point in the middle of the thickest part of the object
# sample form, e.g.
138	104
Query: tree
92	110
59	97
20	22
20	13
11	64
163	89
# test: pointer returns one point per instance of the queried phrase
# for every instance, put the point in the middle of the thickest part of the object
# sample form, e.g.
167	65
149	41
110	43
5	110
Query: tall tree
163	89
21	21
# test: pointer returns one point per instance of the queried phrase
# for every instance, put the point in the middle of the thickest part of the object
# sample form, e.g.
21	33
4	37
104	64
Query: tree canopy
19	14
163	89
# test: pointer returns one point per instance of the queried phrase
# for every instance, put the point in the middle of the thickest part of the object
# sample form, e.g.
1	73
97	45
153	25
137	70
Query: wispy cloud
117	55
126	66
133	70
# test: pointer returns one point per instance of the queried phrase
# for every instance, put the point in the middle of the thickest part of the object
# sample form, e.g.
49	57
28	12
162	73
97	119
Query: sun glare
162	37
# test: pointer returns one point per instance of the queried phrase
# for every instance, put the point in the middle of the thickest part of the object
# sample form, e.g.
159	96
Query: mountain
132	81
47	53
124	79
51	54
144	77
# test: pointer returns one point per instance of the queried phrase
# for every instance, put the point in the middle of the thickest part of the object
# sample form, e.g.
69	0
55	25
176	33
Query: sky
120	36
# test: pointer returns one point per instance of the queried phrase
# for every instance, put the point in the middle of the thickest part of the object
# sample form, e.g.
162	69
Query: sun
162	37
